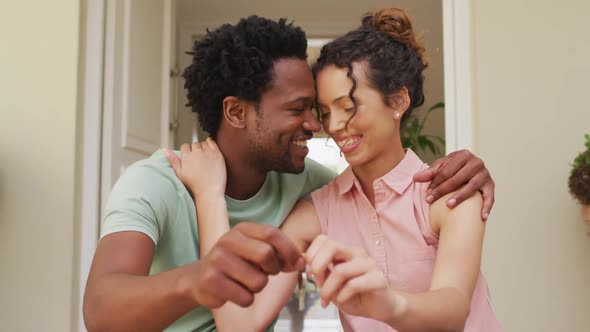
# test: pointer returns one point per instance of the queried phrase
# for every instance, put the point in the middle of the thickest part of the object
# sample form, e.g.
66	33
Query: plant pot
585	210
585	213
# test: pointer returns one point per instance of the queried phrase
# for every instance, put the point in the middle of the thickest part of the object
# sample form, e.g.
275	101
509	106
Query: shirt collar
345	181
398	179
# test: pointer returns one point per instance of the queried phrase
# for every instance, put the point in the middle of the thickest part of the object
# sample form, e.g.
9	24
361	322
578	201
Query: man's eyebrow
304	99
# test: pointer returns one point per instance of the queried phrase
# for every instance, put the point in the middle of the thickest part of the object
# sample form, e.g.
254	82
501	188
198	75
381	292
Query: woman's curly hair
237	60
392	51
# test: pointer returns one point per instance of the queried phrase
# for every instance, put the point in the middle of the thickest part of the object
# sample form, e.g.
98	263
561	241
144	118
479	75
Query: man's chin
290	164
299	165
299	170
295	167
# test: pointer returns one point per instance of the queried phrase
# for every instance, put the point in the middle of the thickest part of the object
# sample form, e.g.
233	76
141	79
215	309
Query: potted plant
412	137
579	180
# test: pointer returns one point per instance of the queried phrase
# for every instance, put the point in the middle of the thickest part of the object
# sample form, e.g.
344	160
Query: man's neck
243	179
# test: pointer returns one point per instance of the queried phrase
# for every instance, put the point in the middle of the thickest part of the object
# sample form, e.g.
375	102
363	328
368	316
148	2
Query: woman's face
371	132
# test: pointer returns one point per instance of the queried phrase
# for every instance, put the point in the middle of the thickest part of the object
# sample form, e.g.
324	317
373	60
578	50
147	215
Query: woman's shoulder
440	212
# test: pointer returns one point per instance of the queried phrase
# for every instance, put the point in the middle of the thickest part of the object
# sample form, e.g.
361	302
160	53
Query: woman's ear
400	102
234	112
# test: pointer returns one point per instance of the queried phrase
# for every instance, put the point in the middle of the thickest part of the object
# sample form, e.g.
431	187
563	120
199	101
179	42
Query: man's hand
463	172
239	264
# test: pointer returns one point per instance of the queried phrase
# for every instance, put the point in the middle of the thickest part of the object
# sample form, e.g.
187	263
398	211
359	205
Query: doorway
457	84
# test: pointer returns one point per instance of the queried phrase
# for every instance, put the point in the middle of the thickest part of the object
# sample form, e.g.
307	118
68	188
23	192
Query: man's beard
271	156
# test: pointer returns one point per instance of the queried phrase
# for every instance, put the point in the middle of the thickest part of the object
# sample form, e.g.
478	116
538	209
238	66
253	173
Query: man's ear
400	100
234	111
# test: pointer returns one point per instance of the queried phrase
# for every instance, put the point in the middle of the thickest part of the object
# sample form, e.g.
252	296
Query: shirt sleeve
321	202
139	202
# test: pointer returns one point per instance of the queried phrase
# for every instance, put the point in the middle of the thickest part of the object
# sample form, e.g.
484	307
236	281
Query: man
253	92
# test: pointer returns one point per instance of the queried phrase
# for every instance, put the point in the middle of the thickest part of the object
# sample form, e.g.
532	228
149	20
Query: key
301	295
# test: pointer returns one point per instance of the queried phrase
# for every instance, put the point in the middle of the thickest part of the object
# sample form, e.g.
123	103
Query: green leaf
436	138
411	133
440	104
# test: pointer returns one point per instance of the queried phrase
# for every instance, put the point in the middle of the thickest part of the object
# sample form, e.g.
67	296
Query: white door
137	86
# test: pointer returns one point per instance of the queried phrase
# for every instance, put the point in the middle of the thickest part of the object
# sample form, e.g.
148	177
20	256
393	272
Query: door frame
91	109
458	83
458	74
90	101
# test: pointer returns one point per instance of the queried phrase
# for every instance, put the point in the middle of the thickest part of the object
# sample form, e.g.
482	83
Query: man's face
284	121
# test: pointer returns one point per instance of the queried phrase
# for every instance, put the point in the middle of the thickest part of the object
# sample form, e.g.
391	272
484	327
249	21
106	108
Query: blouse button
378	242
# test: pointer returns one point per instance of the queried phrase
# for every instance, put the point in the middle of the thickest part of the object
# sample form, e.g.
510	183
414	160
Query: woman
418	266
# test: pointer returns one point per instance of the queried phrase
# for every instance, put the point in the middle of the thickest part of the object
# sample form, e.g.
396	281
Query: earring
396	115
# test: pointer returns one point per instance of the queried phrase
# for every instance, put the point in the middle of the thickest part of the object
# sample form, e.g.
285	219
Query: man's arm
120	296
462	172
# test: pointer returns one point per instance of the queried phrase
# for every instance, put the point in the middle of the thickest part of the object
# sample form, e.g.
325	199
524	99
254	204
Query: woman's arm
445	306
352	280
301	226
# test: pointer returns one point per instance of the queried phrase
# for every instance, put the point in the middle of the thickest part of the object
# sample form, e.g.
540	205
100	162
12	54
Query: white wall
532	70
38	88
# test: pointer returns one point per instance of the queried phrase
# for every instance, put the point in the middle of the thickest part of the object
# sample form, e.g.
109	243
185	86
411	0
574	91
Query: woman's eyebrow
335	100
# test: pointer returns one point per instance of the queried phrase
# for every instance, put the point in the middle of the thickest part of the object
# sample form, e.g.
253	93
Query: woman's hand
201	167
350	279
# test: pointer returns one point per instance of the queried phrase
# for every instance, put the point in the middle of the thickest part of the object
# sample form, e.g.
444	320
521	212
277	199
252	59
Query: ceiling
309	14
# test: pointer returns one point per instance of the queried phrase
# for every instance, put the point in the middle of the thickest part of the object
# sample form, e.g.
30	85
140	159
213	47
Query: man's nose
311	122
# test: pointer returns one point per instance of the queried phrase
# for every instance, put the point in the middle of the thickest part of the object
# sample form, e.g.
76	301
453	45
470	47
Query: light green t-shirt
149	198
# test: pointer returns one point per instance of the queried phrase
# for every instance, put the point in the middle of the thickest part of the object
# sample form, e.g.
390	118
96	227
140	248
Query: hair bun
396	24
